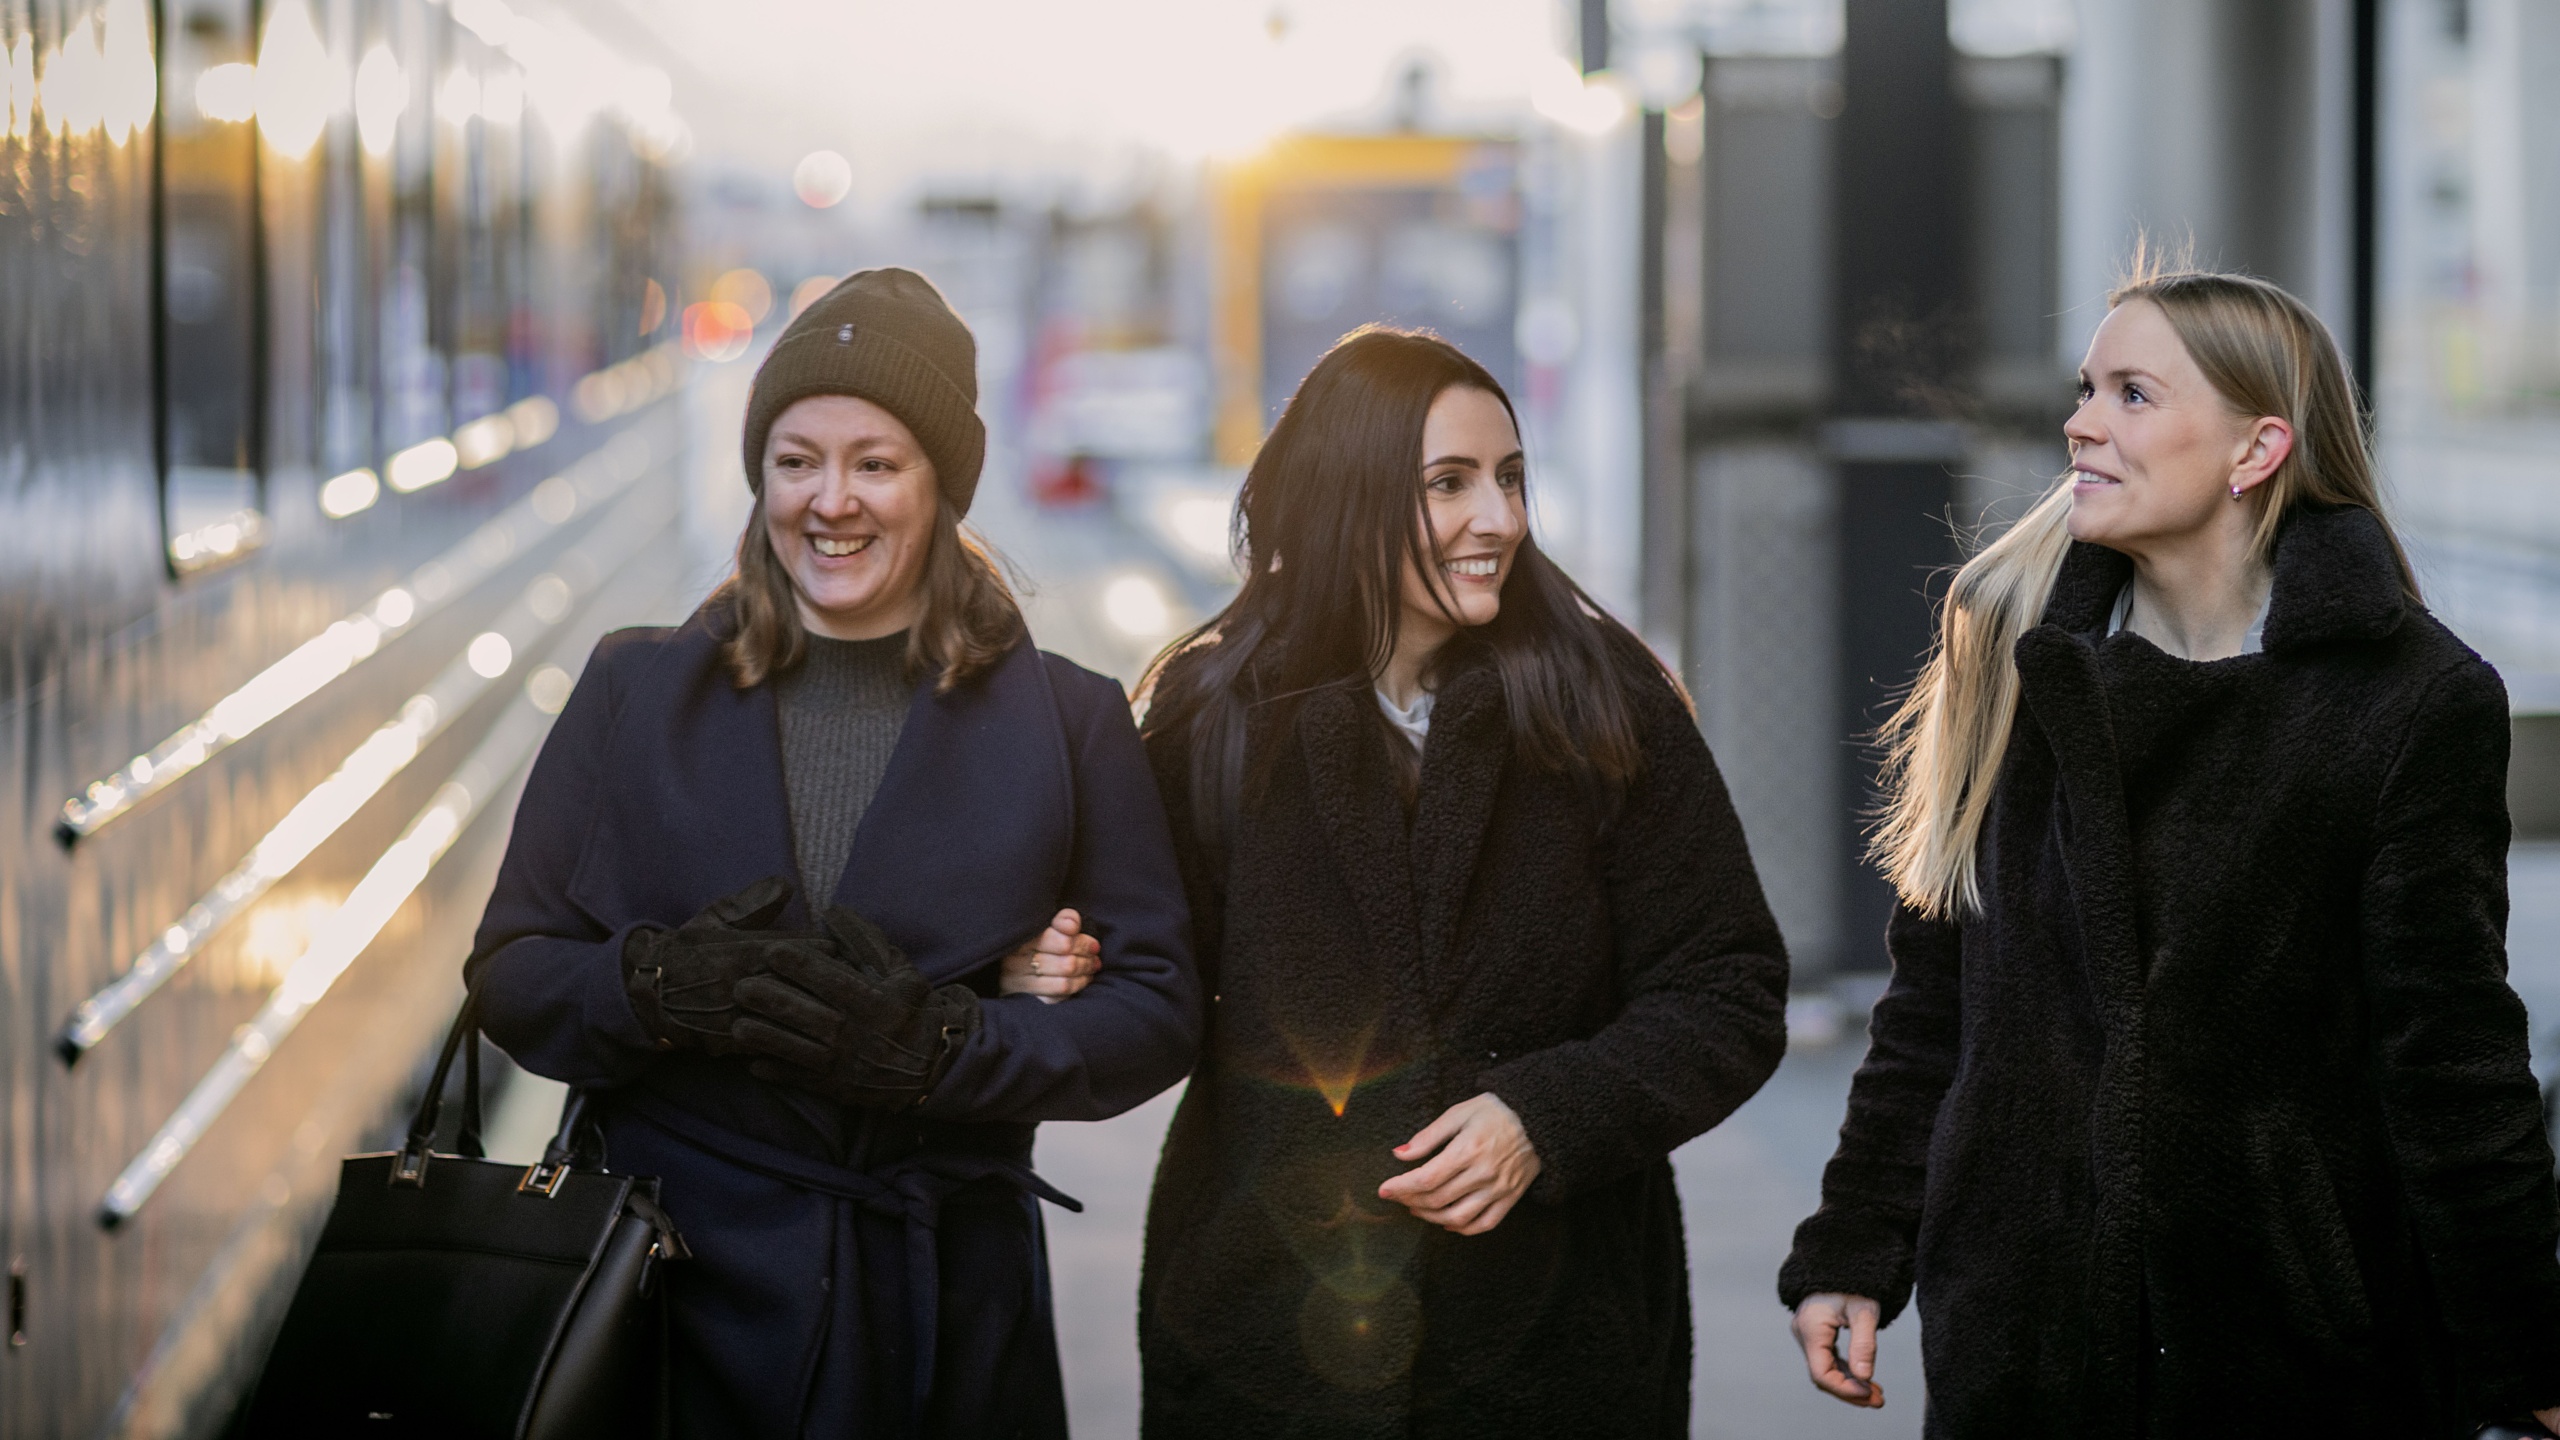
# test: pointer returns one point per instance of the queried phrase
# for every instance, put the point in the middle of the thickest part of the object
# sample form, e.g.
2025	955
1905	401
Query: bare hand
1819	1321
2550	1419
1062	961
1485	1164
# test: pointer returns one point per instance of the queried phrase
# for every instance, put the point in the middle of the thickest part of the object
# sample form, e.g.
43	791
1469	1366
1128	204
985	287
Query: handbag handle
571	1145
410	1166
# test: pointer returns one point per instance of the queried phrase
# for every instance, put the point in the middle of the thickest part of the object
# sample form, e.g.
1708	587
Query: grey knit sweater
842	709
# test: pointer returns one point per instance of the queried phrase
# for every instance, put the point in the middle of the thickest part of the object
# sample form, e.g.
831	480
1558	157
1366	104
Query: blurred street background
300	299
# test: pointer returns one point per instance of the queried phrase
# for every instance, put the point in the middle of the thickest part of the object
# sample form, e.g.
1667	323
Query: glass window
481	105
346	349
413	363
2468	393
211	300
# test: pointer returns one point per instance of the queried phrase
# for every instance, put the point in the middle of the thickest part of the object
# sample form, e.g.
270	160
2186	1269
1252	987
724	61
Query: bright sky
951	81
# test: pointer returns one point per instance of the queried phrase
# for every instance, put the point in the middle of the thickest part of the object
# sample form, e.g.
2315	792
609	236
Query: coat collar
1354	795
980	788
1462	761
2336	579
1411	886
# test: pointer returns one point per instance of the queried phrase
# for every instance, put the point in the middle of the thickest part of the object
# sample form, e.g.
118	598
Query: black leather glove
861	1027
681	982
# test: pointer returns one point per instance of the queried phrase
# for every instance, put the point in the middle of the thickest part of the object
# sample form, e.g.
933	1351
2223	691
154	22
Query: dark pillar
1901	370
1663	589
2364	256
1593	31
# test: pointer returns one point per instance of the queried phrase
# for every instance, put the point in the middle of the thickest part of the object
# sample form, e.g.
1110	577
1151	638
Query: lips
2092	477
838	549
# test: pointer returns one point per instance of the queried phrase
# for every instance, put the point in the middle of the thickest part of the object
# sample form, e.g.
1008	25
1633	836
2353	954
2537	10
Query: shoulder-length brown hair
968	622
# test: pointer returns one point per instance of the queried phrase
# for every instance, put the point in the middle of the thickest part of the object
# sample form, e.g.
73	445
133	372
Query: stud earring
2235	492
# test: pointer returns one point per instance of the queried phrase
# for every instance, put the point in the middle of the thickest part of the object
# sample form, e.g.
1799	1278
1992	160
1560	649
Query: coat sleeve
1861	1240
1702	977
2458	1098
547	973
1135	1029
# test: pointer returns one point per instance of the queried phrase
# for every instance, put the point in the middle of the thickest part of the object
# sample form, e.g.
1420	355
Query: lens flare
717	330
822	179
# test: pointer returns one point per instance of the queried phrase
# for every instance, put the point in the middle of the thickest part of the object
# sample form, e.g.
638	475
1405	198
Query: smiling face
849	504
2155	449
1475	502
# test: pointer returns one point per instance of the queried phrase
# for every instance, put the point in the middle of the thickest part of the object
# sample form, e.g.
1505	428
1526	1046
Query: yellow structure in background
1239	195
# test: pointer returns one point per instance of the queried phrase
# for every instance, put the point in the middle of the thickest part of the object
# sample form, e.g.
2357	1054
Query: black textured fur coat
1618	982
2218	1121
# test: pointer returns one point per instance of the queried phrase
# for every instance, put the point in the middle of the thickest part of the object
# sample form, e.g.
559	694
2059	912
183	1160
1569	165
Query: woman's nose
2081	428
1495	515
837	496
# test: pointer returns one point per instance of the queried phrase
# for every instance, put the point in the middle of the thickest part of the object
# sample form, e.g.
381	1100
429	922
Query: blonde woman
2198	1104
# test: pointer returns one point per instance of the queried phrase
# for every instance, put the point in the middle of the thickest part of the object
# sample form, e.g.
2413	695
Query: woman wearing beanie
1483	941
2198	1104
789	885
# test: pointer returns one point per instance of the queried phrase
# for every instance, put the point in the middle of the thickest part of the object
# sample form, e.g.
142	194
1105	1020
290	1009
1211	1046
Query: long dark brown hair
968	622
1331	511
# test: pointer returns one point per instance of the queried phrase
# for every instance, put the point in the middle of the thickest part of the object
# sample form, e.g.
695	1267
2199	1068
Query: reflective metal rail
545	603
345	933
324	657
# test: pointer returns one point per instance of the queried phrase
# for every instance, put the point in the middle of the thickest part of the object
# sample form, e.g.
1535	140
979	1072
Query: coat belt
910	1191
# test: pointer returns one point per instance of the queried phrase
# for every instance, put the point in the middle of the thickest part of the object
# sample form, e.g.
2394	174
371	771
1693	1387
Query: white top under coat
1413	720
2250	644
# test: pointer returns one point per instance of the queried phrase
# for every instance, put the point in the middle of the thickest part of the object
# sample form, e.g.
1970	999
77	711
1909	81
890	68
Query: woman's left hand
1053	965
1484	1166
2550	1419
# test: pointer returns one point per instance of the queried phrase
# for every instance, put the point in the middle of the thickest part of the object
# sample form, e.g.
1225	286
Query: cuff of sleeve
558	1006
608	999
1575	1135
1840	1254
974	1063
2515	1384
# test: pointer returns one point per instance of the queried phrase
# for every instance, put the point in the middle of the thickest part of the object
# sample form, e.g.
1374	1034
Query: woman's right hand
1057	964
1818	1323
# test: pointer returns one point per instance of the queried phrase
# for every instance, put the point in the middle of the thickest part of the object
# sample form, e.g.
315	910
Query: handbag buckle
541	1178
409	1167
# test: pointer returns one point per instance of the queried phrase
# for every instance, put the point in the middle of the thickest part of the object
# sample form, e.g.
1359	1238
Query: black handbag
455	1296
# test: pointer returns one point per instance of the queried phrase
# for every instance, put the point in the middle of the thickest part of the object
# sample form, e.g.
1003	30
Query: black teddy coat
2218	1121
1618	983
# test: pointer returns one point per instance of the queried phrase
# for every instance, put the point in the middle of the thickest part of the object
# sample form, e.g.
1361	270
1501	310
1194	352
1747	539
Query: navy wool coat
854	1272
2217	1120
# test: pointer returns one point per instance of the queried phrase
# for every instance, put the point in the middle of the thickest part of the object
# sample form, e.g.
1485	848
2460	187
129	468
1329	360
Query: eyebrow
1470	461
2128	372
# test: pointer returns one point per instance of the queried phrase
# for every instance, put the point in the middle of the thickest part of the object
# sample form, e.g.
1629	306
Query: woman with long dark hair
784	897
1483	944
2198	1104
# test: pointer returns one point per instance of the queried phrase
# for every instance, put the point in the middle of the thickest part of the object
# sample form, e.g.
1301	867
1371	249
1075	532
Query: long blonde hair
2264	353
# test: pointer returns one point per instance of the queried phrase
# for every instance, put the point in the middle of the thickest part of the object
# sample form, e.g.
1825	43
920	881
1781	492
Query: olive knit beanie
886	336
